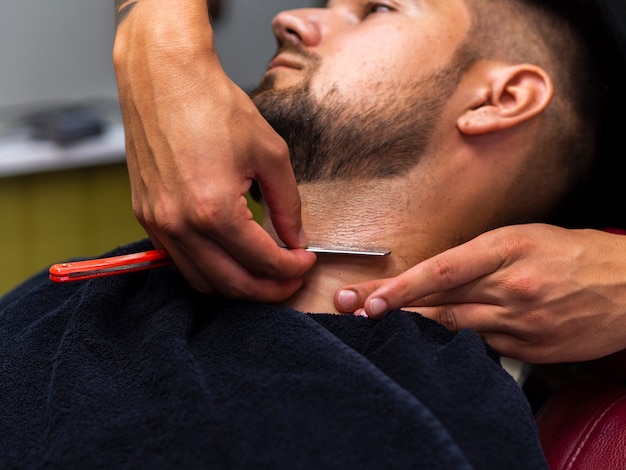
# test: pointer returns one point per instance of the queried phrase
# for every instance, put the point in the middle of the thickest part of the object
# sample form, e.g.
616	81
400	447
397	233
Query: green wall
54	216
49	217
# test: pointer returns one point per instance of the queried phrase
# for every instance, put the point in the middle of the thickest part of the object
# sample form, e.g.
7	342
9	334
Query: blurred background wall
58	202
61	49
55	49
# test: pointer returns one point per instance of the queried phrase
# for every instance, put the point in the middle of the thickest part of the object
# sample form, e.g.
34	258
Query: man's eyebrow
329	3
122	8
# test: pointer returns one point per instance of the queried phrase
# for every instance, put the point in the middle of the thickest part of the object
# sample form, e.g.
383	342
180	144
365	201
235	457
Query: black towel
139	371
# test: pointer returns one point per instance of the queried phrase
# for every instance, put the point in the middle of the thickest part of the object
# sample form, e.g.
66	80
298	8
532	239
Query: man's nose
303	27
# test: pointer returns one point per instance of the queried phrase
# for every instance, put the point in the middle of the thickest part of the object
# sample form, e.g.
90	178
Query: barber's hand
194	143
535	292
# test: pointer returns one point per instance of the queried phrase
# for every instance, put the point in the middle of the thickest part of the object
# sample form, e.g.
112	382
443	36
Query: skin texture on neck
365	213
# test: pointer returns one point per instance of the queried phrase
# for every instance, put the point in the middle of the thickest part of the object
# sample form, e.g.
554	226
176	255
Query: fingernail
303	239
346	300
361	312
378	306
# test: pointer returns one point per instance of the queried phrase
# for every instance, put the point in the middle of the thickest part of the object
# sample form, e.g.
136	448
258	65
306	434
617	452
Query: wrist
184	24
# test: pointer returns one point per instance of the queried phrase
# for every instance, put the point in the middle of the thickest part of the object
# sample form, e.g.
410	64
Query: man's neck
362	215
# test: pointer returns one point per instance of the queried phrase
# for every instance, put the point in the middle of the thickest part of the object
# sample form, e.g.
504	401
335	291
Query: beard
372	135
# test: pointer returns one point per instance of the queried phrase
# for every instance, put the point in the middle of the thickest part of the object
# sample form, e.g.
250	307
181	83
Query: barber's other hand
194	143
535	292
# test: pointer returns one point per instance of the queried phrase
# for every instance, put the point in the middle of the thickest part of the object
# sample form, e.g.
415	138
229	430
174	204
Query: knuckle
271	269
539	326
139	212
516	244
278	150
403	289
523	286
202	212
283	266
195	213
447	318
289	266
444	272
237	291
164	218
275	155
161	217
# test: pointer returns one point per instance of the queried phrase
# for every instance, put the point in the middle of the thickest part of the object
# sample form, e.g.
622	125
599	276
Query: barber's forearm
162	45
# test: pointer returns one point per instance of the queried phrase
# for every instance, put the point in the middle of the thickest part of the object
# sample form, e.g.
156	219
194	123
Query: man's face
356	88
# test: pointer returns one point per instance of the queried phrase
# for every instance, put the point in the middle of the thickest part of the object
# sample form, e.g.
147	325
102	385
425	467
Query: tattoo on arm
122	9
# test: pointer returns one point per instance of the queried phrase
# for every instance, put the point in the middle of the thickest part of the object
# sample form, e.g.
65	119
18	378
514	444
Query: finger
255	249
229	222
441	273
280	192
226	226
352	297
483	318
512	346
214	270
489	322
210	269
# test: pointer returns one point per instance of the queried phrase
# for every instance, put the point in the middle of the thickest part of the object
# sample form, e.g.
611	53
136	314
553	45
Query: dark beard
330	141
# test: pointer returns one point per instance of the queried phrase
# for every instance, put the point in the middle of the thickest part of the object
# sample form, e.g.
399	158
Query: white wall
61	49
55	49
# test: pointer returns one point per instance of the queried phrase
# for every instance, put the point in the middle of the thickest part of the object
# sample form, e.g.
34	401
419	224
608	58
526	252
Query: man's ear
507	96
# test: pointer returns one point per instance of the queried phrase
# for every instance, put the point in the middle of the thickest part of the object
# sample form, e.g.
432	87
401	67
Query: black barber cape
139	371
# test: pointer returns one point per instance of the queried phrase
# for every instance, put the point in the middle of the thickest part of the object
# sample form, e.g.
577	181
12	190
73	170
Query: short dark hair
563	149
599	201
582	45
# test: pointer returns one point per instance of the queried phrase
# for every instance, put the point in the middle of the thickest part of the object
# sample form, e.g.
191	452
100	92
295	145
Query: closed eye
371	8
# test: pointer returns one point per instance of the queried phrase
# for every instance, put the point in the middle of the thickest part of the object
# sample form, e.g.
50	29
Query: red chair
583	426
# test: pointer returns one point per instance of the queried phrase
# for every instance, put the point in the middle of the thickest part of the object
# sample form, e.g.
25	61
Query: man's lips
284	61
